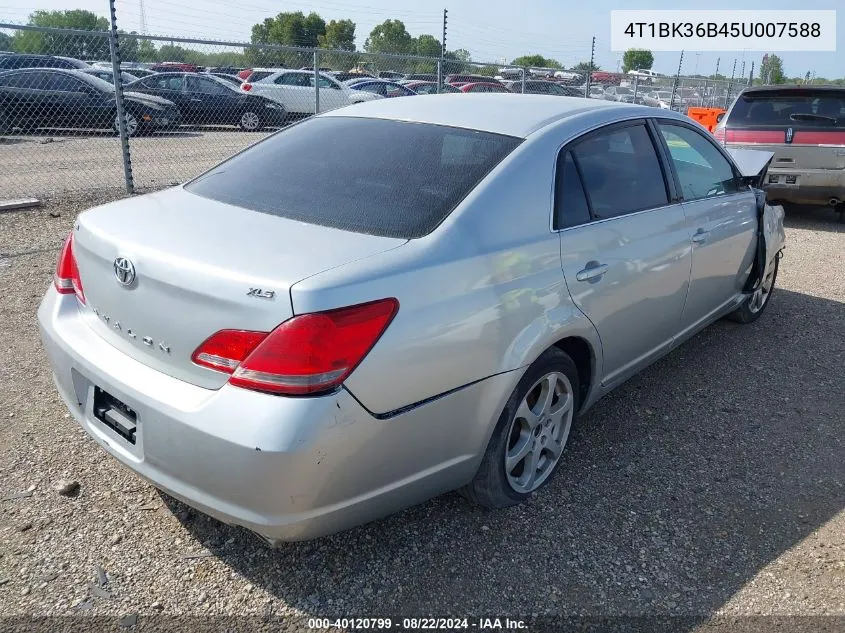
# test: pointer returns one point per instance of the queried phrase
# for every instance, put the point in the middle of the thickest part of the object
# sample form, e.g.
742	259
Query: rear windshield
373	176
813	108
258	75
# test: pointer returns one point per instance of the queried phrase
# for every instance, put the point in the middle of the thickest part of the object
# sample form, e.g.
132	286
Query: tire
500	483
754	304
133	125
250	121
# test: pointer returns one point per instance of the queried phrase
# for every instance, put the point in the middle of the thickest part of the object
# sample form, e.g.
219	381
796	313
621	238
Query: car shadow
676	490
817	218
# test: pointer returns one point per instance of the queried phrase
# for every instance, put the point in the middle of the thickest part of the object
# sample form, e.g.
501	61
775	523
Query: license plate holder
116	415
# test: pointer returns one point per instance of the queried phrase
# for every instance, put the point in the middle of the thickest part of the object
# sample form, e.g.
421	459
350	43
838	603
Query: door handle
700	236
594	270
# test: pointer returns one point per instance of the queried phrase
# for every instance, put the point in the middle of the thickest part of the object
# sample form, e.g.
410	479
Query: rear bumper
810	186
286	468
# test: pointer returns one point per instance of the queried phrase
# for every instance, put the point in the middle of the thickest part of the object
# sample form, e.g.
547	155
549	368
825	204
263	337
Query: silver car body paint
481	297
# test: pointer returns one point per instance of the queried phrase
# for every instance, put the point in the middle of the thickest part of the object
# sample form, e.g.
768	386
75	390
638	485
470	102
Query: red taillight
66	278
246	87
306	354
224	350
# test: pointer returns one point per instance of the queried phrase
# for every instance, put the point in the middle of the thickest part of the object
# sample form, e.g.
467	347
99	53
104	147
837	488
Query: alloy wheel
761	295
538	432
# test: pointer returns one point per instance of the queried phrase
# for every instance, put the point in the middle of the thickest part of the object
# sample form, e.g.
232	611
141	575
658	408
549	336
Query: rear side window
621	171
571	208
258	75
373	176
789	108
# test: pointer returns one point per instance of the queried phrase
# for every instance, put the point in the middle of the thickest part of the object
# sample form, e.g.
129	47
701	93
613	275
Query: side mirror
719	117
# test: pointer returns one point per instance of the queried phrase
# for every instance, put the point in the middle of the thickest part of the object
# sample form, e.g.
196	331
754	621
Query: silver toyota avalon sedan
397	299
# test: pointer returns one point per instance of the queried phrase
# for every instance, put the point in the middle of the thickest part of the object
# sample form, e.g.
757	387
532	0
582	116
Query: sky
492	30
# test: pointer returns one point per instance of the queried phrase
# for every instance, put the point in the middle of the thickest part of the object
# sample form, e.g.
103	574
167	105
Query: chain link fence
187	104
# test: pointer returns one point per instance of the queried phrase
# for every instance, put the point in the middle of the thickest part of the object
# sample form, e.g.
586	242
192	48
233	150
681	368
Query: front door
722	217
624	245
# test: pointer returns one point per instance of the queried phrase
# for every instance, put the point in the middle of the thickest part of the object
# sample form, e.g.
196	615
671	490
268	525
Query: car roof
497	113
787	87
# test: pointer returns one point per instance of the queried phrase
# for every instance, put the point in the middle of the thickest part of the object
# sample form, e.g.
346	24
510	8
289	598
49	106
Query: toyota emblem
124	271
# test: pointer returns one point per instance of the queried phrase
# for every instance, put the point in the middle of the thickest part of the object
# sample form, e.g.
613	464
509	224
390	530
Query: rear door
211	102
804	127
722	219
624	243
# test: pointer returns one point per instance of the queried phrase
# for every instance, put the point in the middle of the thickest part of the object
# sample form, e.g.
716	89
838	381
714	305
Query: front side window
702	169
621	171
374	176
294	79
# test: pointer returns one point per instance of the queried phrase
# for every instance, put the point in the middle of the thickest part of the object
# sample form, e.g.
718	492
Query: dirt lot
711	484
56	165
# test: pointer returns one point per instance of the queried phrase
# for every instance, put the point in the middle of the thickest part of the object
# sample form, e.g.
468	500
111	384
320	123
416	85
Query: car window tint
292	79
56	81
258	75
701	168
784	108
621	171
373	176
210	87
169	83
571	208
34	81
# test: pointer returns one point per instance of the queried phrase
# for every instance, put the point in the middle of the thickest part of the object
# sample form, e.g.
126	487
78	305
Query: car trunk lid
199	266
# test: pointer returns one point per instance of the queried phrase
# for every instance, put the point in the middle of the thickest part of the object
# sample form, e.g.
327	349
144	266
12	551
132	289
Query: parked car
569	78
383	88
206	100
390	74
10	62
428	87
619	93
596	91
422	77
142	72
232	79
175	67
536	87
335	353
345	76
458	79
107	75
658	99
805	128
294	89
33	98
483	86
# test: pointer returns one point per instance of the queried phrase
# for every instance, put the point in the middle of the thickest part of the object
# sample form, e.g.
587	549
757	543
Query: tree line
311	31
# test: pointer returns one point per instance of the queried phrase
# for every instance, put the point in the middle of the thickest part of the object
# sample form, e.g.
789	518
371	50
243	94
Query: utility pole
440	71
443	49
143	17
114	49
677	79
751	75
590	69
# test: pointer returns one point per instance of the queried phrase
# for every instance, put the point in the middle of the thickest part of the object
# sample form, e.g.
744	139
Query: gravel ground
713	484
68	164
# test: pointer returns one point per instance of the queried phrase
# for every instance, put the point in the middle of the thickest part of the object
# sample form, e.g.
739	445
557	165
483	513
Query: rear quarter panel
482	295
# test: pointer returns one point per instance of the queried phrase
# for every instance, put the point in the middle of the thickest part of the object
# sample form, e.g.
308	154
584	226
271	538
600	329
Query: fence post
114	49
439	76
316	82
636	86
674	90
523	79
